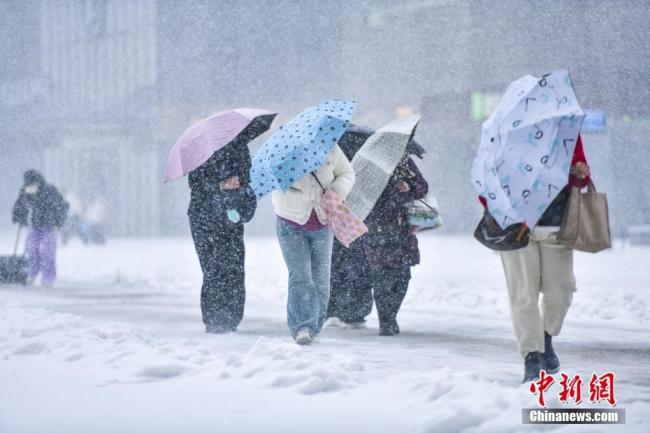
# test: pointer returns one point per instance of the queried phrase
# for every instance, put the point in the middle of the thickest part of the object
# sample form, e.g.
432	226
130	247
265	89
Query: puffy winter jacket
297	203
208	202
43	210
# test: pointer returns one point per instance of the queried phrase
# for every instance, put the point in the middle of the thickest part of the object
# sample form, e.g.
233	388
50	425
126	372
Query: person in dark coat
350	292
221	202
41	207
390	246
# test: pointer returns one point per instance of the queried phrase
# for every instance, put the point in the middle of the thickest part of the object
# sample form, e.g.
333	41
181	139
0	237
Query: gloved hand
224	209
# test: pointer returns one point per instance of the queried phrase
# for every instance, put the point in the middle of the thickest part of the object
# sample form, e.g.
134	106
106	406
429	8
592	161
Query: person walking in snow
41	207
545	267
390	247
350	293
306	242
221	202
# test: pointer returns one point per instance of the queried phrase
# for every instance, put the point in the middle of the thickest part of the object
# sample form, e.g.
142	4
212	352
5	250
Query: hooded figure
41	207
221	201
350	293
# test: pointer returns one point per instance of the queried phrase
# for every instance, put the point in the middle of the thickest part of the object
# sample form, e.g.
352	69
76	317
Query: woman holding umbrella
215	154
218	201
390	246
306	242
530	157
387	180
299	164
351	296
545	267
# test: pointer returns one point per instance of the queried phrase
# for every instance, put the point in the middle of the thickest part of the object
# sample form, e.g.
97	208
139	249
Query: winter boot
388	328
359	324
550	360
219	329
532	366
304	337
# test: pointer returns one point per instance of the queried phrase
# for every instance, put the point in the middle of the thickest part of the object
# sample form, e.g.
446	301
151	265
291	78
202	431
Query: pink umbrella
201	140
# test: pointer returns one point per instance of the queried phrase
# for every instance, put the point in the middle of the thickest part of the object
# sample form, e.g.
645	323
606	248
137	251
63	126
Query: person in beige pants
544	267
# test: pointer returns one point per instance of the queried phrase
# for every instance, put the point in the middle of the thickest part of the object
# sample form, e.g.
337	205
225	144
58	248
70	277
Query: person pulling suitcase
40	207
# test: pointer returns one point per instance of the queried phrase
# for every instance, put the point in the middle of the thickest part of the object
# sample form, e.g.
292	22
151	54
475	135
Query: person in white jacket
306	242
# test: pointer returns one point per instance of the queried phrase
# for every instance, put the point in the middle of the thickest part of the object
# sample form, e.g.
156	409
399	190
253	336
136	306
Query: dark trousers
221	255
389	286
350	289
354	283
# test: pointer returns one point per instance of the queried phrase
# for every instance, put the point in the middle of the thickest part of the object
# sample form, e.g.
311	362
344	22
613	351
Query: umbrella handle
318	180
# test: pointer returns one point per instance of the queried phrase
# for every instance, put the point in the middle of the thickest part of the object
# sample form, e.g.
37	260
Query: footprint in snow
74	357
162	371
287	381
31	349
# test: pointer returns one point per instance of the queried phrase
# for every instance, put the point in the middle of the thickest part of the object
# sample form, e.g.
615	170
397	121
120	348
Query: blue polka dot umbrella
300	146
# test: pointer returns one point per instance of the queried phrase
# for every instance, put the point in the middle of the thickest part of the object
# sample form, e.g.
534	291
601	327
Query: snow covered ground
118	346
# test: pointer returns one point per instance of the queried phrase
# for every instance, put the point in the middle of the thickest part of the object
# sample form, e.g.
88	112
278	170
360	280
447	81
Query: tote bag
585	224
346	226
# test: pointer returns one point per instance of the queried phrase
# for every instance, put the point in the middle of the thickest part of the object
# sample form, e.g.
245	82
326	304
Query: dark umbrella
353	138
413	148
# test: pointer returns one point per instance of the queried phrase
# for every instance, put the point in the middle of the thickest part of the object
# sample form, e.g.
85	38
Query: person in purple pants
41	207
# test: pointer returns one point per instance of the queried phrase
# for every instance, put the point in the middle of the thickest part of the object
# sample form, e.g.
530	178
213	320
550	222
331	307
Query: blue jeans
308	257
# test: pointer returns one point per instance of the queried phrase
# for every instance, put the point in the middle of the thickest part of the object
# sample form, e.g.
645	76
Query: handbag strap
426	204
591	187
318	180
522	231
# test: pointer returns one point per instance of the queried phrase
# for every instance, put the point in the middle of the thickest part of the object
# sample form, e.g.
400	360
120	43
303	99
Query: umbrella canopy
375	163
354	137
197	144
526	148
300	146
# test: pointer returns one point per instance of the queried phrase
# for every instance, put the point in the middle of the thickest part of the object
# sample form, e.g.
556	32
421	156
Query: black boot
220	329
532	366
389	327
356	323
550	361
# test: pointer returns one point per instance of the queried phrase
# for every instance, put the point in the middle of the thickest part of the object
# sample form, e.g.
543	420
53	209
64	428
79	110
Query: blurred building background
95	92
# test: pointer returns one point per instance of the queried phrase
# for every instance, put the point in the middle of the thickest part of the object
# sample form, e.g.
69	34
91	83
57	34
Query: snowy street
175	170
121	333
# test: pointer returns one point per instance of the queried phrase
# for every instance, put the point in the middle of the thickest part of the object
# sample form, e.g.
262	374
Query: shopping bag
585	224
424	213
345	225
